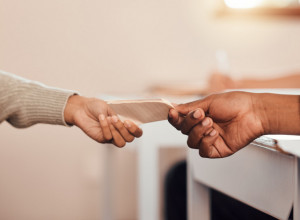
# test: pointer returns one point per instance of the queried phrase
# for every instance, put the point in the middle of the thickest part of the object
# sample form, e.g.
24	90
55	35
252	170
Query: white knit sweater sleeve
24	103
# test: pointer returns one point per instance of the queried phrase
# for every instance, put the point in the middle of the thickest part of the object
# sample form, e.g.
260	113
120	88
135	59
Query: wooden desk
264	179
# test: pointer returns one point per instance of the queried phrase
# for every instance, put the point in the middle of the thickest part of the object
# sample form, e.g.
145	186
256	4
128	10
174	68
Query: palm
235	121
87	118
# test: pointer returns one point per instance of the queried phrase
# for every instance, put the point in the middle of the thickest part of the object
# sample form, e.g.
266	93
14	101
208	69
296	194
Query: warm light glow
243	3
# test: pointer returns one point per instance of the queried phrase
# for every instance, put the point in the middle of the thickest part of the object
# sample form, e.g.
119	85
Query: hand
95	118
220	124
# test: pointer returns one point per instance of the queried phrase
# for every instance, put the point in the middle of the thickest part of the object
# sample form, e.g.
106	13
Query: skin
97	120
222	124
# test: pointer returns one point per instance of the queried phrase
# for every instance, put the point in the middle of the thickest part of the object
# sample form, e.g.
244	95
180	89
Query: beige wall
49	172
116	46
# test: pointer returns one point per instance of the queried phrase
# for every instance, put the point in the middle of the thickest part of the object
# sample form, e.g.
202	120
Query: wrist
278	114
74	104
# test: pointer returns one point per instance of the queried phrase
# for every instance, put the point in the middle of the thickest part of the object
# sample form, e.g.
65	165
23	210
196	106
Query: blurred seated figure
219	82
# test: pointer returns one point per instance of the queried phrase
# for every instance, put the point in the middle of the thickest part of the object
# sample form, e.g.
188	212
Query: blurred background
121	48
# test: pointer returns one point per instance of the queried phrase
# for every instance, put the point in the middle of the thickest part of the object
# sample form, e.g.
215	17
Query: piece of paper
141	111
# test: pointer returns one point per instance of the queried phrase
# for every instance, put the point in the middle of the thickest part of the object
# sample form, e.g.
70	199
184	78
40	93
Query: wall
112	47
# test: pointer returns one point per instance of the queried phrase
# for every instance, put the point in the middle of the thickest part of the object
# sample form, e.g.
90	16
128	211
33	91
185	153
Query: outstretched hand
95	118
220	124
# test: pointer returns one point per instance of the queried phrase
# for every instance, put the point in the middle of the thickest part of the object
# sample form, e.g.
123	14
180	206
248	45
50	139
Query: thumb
110	111
191	106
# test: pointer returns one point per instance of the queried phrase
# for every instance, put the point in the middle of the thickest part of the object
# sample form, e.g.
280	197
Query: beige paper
141	111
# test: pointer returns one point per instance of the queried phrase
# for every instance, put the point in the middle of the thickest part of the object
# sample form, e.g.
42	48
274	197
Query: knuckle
202	154
177	126
107	138
190	143
171	121
184	131
102	140
118	125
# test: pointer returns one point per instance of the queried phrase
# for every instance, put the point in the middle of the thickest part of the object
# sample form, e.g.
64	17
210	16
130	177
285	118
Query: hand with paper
222	124
99	121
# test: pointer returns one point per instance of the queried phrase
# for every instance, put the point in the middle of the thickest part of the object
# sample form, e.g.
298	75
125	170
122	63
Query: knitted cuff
41	104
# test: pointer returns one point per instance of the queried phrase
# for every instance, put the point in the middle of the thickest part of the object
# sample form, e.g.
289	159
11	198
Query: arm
97	120
24	103
222	124
279	114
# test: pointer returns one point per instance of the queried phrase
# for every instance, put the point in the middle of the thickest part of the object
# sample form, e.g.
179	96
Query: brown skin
235	119
96	119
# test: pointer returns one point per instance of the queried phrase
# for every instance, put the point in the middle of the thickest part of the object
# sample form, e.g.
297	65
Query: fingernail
197	114
115	119
208	131
205	122
102	117
127	124
213	133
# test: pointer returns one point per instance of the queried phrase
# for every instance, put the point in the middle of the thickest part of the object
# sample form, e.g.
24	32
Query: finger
198	132
105	128
133	129
191	106
220	147
117	138
207	147
110	111
192	119
121	128
175	119
209	130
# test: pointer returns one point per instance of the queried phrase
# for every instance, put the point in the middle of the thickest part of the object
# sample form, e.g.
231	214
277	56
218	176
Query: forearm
24	102
279	114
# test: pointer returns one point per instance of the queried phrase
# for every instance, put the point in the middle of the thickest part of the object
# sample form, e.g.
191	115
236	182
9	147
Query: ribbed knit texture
24	103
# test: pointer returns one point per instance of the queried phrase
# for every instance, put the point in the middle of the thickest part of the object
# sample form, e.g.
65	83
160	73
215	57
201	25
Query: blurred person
219	82
24	103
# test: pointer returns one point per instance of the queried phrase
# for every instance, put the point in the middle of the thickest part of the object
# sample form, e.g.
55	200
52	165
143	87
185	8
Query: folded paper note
141	111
